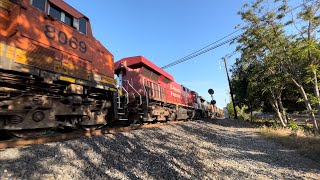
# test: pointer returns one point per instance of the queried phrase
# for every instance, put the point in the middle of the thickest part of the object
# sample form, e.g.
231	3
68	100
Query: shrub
293	125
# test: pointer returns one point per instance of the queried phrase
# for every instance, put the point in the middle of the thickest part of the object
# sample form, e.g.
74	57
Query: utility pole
231	92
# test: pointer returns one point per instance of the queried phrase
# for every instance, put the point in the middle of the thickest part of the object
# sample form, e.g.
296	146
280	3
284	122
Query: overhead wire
193	55
182	59
208	48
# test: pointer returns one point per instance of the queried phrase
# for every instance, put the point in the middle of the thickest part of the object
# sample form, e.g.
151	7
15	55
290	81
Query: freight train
55	74
151	94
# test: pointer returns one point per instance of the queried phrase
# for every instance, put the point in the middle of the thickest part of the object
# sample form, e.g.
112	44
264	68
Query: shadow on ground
187	150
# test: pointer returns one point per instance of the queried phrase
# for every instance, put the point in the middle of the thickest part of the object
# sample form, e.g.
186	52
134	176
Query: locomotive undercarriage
159	111
28	102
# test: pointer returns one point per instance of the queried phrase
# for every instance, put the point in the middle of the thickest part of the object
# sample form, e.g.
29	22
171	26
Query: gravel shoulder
204	149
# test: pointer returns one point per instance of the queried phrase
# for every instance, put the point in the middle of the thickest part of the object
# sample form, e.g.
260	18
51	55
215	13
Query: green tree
309	21
259	49
276	58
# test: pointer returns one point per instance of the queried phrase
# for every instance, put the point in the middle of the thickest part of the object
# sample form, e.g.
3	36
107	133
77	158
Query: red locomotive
158	97
55	74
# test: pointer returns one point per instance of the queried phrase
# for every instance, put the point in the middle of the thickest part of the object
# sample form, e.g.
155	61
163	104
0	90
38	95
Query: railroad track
20	142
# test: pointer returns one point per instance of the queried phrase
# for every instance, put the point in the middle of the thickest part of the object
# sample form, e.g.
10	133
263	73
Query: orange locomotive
53	72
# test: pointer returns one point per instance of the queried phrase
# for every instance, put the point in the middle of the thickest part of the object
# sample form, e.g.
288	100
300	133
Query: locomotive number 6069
50	33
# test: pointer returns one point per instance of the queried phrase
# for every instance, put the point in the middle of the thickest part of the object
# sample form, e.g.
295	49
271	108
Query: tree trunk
316	89
314	76
250	107
283	111
275	107
251	115
307	103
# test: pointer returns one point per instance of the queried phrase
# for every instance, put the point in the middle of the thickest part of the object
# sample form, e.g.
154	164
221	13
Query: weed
305	144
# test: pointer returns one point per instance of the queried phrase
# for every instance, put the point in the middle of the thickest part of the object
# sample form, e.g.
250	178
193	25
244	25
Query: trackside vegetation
279	62
305	144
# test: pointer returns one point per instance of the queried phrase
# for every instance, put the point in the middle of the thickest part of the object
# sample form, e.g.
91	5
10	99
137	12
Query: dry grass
306	144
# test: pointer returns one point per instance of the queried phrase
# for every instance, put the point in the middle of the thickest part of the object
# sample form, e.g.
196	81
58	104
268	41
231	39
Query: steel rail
68	136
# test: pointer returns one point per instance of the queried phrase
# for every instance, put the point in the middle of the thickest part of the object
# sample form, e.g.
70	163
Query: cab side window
61	15
68	19
40	4
55	12
83	26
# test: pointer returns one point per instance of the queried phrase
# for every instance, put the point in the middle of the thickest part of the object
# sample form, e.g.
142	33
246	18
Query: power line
193	55
182	59
207	49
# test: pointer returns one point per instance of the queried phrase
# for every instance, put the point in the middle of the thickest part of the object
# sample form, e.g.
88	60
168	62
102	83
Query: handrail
140	97
126	93
146	93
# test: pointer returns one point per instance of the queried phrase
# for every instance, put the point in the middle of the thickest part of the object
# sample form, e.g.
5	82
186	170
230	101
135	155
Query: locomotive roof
67	8
129	61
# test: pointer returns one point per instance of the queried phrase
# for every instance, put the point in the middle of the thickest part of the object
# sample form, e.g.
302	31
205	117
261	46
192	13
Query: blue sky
167	30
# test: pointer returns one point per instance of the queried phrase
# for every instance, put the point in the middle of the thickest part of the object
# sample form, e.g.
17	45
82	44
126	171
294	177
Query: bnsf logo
50	33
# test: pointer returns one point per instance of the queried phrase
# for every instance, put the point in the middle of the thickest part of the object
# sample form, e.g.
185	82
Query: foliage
241	112
293	125
230	110
305	144
276	63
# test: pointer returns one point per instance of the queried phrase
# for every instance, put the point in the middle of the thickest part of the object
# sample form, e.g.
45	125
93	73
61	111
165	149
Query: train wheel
4	135
172	117
193	115
91	128
30	133
137	122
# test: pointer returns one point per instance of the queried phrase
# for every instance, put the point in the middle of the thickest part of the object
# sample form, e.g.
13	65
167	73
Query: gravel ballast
208	149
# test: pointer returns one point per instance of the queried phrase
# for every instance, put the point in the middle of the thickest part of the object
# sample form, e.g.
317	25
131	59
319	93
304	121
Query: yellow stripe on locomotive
6	4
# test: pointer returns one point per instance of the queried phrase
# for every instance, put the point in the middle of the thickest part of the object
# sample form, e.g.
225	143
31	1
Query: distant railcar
54	73
215	112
